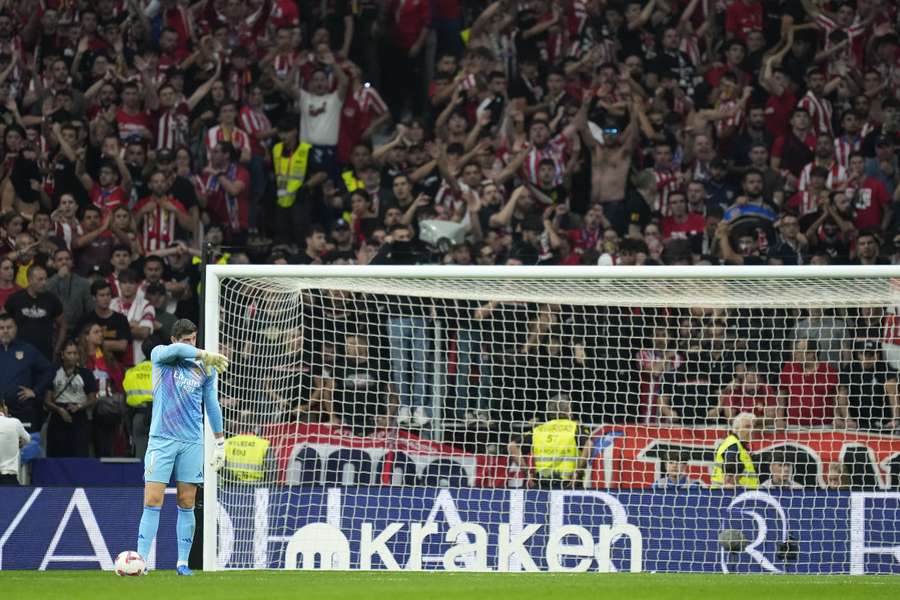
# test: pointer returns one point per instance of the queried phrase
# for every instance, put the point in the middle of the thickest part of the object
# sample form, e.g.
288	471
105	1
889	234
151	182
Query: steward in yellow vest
733	464
290	160
138	384
245	457
556	447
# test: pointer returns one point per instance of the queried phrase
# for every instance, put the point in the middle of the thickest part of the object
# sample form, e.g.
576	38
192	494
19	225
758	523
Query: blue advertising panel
384	527
79	528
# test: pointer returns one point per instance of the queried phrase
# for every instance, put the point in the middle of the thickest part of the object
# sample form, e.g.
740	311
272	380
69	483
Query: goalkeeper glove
218	460
213	360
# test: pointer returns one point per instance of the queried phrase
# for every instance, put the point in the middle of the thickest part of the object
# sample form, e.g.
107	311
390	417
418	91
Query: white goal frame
215	273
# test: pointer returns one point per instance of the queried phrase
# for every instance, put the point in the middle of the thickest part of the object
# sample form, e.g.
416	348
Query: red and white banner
633	456
314	454
624	456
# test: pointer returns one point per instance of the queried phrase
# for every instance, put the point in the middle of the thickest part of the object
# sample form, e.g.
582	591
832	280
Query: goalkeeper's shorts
164	455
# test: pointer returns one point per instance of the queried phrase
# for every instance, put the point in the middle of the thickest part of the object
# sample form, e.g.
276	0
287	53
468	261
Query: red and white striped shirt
67	231
555	150
253	120
844	147
158	228
237	137
891	322
173	127
577	18
283	63
804	203
837	176
666	183
856	51
370	101
820	112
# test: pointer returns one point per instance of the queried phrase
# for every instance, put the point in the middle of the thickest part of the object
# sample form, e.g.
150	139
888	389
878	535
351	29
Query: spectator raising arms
143	139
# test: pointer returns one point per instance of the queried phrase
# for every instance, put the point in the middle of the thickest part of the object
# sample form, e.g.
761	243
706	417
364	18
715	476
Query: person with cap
885	166
732	463
342	236
290	161
868	397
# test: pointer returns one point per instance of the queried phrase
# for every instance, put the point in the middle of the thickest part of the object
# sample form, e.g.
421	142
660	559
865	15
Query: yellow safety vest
351	182
245	455
290	172
554	446
138	384
22	274
748	478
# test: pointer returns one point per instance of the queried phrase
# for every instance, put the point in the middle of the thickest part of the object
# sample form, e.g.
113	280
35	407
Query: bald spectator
39	314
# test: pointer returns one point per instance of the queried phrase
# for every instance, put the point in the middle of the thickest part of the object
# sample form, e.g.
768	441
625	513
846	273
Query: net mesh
560	424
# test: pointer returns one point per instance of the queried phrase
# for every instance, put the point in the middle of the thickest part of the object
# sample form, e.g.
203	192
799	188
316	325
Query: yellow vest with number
290	172
138	384
554	447
245	456
351	182
748	478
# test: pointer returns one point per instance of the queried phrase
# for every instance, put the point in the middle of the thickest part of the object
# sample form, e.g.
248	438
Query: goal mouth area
653	286
432	416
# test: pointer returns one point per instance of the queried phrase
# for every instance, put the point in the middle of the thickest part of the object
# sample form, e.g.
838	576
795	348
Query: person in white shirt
320	112
12	438
781	472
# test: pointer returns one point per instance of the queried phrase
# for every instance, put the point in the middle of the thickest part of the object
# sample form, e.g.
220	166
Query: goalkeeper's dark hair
182	328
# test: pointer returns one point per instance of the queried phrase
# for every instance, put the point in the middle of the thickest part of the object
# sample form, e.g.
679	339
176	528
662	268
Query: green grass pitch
299	585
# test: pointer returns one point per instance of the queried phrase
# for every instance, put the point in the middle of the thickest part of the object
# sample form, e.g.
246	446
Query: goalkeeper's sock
147	530
185	529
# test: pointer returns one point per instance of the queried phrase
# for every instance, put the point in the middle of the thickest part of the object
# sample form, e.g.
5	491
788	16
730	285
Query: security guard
290	160
138	385
557	461
245	457
733	464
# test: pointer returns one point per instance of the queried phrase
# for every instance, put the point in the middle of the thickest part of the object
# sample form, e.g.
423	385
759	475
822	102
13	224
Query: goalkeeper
184	379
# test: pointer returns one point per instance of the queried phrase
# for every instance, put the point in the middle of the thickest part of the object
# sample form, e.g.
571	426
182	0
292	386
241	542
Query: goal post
556	418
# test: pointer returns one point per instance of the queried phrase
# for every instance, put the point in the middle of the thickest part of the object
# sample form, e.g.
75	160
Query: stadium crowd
139	136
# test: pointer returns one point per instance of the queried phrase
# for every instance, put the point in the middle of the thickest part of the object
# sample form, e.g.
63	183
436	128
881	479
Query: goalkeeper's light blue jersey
181	386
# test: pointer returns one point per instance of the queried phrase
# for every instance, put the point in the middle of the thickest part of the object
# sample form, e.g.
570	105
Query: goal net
557	419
